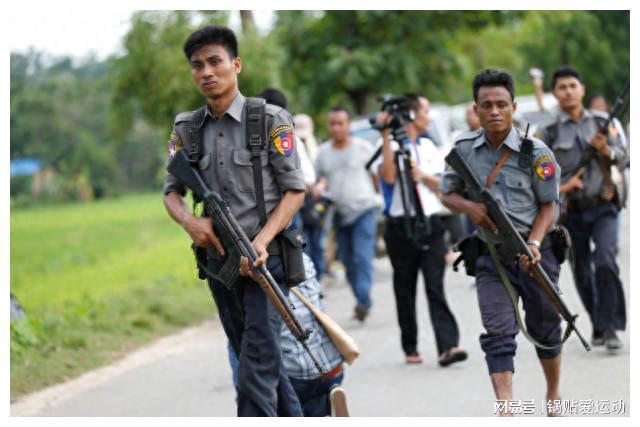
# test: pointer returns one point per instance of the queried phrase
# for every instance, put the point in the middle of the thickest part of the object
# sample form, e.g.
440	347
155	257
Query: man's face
494	108
599	104
339	125
421	122
569	92
472	118
214	71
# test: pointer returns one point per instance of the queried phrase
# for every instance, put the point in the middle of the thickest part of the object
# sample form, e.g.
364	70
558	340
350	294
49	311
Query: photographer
413	233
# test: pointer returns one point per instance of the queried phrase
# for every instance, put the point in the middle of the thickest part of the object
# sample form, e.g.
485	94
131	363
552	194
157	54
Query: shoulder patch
282	138
174	145
545	168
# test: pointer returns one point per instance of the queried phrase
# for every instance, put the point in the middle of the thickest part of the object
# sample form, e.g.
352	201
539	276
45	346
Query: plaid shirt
296	361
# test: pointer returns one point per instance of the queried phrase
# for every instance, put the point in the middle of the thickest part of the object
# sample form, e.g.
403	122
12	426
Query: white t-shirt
431	161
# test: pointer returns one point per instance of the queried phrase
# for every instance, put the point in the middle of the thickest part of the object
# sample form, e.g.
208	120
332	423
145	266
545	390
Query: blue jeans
356	249
314	395
315	237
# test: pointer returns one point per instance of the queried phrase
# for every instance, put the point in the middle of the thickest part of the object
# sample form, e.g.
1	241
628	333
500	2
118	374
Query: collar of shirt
512	140
234	110
564	117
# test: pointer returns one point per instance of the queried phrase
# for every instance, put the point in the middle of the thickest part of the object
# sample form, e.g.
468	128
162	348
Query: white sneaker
338	400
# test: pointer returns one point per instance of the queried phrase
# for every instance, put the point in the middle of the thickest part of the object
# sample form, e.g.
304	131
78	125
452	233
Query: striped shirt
296	361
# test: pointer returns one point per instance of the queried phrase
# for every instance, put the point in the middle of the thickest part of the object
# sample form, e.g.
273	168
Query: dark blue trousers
596	273
498	316
253	327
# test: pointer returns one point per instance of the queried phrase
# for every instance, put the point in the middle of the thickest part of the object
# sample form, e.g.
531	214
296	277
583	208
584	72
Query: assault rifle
236	245
512	245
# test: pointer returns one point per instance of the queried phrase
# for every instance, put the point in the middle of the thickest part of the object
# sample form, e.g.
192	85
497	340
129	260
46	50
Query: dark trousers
596	273
407	260
253	327
314	395
498	316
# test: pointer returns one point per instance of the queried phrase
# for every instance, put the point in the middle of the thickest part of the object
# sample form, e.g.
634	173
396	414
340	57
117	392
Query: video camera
399	107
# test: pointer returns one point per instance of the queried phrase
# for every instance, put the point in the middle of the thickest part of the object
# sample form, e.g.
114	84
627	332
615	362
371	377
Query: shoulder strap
195	135
256	142
499	165
552	133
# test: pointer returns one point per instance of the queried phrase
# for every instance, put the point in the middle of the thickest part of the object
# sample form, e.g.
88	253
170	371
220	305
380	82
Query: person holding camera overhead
414	235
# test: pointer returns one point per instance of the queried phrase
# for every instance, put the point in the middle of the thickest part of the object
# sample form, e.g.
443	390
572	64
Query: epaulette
185	116
272	110
468	135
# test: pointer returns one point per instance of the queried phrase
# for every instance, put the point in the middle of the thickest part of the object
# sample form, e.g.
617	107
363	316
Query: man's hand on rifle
201	231
263	255
527	263
600	143
478	214
574	183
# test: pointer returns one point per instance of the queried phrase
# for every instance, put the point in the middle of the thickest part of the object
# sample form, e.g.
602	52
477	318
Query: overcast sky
80	31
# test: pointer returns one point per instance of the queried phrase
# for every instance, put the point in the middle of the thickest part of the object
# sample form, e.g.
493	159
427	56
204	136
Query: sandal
450	356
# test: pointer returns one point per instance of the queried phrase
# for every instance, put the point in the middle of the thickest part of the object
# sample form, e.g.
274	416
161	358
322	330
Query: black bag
314	212
471	248
292	244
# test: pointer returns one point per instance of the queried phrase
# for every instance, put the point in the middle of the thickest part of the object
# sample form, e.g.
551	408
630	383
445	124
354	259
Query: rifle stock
513	245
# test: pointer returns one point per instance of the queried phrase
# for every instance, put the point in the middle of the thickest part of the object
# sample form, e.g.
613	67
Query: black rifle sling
256	141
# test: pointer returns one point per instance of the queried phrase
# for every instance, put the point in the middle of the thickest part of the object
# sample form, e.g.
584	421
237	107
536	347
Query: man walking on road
214	137
524	179
407	254
340	167
592	203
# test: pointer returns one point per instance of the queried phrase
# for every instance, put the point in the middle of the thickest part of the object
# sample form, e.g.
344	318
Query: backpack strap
195	134
255	116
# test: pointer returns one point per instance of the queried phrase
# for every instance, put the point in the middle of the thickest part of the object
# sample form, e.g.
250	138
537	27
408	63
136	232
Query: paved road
188	375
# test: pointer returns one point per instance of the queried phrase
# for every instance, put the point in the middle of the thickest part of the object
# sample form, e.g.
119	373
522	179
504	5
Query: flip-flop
454	357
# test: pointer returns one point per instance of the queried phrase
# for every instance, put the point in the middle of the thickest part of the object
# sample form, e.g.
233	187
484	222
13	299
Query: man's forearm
543	222
388	170
454	202
176	207
281	216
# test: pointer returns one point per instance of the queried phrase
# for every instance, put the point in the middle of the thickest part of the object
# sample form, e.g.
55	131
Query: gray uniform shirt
226	162
520	191
572	138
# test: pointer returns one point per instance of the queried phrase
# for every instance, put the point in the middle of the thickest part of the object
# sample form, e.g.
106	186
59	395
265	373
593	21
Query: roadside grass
96	280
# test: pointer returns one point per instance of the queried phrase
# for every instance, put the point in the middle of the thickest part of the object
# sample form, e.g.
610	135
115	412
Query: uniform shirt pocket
519	192
243	169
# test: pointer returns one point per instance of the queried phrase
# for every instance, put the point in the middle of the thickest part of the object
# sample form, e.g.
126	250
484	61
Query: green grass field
96	280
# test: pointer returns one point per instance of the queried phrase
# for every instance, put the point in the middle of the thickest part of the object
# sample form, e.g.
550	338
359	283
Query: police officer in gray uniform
591	203
221	152
529	196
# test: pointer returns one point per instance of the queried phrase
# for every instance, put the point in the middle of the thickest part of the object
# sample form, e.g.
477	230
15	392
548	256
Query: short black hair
493	77
595	95
564	71
338	108
211	34
274	96
414	100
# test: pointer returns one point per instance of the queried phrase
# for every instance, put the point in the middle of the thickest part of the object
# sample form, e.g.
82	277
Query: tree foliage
104	124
